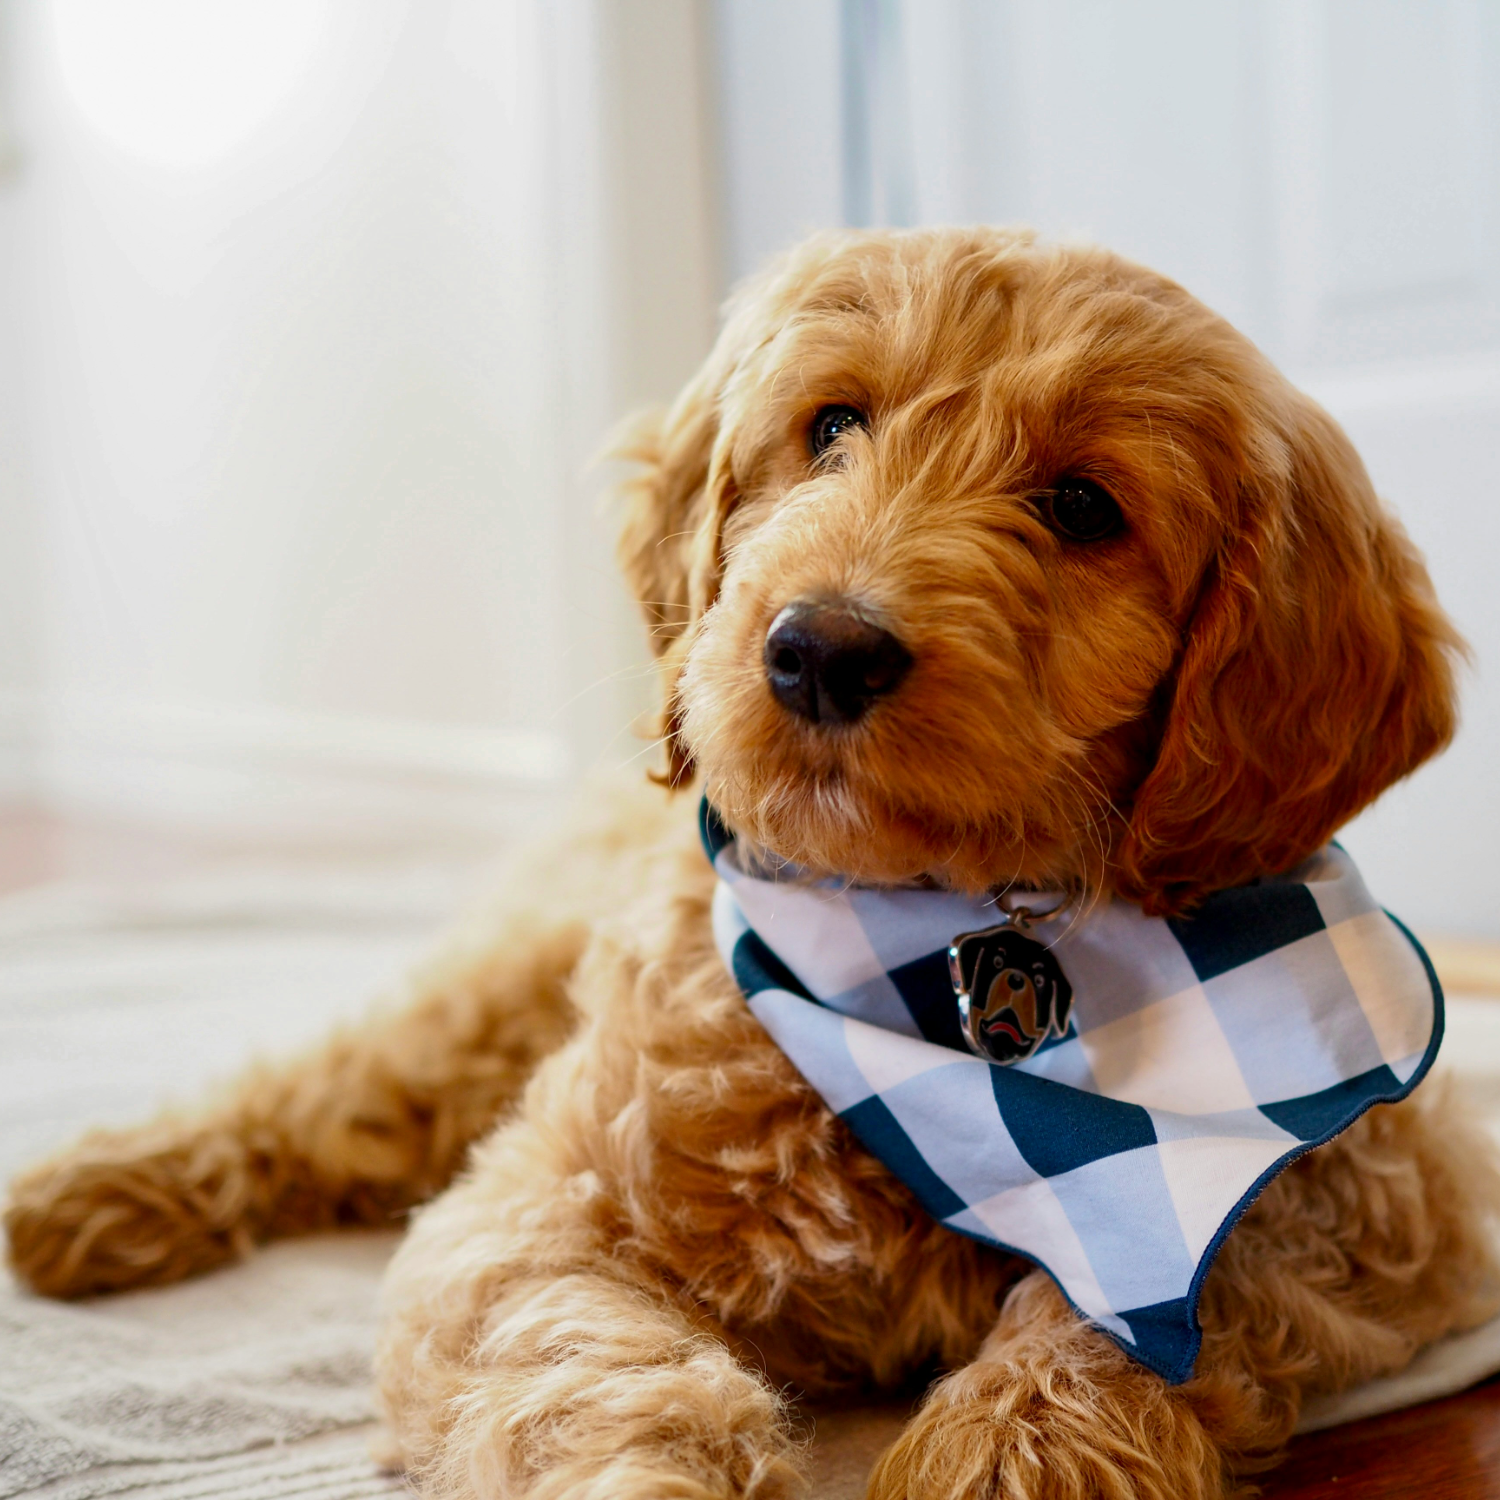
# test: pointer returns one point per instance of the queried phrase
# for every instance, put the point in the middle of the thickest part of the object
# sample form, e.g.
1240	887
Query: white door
1326	173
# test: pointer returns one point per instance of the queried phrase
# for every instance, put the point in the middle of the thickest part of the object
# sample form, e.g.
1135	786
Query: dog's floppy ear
1316	670
666	542
664	505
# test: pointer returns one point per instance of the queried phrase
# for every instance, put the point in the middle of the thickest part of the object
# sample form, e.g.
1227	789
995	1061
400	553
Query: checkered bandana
1199	1058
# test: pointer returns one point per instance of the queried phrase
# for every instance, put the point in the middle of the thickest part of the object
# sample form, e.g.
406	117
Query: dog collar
1160	1070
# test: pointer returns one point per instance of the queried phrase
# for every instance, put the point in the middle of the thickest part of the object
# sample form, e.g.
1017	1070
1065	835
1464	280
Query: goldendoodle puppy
983	575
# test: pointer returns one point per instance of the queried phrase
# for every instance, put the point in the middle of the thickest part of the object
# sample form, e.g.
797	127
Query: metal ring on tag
1023	916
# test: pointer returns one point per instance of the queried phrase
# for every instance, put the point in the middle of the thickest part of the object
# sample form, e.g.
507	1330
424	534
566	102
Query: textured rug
252	1384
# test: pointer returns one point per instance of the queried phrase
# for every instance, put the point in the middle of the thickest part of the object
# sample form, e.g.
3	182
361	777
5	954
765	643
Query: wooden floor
1446	1450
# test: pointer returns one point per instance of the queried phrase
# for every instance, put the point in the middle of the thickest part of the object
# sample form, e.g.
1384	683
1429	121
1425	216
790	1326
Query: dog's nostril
827	664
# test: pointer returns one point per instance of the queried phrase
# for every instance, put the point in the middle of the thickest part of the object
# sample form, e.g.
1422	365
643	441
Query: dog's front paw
1020	1432
132	1208
1051	1409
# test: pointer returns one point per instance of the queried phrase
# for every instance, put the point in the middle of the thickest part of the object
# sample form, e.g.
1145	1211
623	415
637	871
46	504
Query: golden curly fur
666	1232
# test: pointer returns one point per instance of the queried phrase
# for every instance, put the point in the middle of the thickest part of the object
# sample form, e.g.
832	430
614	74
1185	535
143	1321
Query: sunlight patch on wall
179	83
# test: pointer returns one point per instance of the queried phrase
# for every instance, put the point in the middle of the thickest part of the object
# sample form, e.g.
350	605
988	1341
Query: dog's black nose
827	665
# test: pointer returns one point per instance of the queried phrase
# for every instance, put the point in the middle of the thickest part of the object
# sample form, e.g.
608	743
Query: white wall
781	123
318	310
1326	173
19	561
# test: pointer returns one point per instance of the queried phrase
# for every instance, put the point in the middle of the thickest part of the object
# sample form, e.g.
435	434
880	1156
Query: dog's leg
376	1120
1348	1263
529	1350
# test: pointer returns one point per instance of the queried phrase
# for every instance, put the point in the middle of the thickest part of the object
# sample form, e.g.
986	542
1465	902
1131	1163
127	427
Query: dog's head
980	562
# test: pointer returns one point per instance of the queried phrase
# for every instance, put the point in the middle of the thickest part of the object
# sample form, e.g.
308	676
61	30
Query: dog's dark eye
830	424
1083	512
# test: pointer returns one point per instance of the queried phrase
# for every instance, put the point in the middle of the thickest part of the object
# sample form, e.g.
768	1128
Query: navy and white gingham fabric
1201	1057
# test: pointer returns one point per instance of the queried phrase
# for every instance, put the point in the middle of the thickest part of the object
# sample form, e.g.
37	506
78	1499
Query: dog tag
1012	993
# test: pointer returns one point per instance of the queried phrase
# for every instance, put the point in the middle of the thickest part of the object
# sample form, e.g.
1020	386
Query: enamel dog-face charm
1012	993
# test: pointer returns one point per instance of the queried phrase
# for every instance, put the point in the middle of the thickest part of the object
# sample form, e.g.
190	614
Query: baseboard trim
275	774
